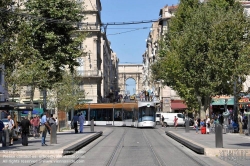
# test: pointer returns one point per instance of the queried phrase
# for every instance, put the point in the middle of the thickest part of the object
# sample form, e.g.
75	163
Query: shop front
178	106
220	104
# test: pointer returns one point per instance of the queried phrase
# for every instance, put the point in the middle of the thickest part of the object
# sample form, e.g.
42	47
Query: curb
72	149
195	148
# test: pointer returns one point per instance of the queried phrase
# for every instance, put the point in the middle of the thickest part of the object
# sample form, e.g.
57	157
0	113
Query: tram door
109	116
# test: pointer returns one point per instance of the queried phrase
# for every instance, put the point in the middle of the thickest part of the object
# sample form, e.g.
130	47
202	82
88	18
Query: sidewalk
66	140
233	144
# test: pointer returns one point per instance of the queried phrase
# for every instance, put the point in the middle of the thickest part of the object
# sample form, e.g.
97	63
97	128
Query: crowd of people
240	127
34	126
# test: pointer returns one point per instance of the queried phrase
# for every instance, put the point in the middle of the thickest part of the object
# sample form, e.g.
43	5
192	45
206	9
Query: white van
158	118
169	118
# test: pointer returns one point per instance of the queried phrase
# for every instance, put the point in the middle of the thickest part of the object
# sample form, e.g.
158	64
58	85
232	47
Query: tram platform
67	143
233	143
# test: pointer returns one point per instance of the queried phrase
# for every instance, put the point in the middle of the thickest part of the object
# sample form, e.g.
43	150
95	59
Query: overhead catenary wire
61	21
126	31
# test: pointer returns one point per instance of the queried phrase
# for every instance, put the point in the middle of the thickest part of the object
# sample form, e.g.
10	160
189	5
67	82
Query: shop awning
220	101
178	105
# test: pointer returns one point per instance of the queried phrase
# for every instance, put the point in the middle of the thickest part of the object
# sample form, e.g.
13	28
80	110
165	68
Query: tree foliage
9	23
205	50
55	42
65	94
48	38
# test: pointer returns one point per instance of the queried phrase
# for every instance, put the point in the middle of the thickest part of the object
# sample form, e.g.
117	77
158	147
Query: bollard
53	135
187	126
5	138
218	136
92	125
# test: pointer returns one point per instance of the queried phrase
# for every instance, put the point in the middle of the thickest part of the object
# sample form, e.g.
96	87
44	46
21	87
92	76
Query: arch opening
130	86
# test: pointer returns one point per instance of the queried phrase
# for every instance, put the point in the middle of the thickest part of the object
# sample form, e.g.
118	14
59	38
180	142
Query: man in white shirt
10	127
81	121
45	125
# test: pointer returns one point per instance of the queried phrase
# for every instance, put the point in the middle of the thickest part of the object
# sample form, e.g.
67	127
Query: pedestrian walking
36	123
43	127
10	127
25	126
31	126
81	121
75	120
196	125
175	121
208	124
162	121
1	129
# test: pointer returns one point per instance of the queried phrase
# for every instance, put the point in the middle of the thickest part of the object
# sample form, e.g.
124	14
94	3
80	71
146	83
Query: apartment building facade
109	70
164	94
98	67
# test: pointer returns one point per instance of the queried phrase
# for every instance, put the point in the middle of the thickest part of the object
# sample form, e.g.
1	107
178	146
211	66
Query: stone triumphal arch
127	71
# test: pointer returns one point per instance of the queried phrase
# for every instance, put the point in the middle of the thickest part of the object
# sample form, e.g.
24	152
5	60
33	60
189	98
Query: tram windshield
147	114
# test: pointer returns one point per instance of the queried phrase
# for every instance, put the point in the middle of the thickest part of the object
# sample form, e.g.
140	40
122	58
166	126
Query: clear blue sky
130	46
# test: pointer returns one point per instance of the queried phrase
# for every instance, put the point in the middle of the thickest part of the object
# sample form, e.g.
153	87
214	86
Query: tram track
158	160
115	155
79	155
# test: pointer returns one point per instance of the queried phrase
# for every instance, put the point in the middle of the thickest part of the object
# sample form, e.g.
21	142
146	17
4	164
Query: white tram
138	114
146	114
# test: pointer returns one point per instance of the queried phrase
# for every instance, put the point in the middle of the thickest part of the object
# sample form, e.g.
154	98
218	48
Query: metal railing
89	73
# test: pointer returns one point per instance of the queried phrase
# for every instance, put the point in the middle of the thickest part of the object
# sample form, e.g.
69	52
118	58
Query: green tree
66	94
205	50
9	23
53	36
38	45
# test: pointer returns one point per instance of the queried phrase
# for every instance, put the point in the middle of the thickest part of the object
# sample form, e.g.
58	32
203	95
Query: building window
41	92
80	68
28	91
81	87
